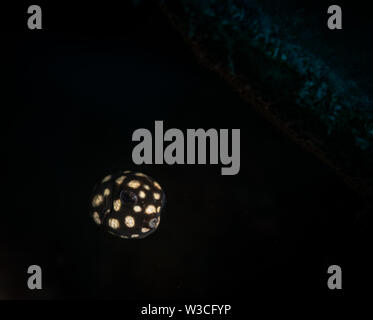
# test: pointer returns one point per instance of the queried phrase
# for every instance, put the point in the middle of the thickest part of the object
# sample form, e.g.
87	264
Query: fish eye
153	223
128	197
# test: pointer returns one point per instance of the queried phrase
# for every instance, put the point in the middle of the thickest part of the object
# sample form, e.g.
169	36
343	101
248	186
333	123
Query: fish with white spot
128	204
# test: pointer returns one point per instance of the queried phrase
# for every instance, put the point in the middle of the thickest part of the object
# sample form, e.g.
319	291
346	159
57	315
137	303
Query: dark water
75	100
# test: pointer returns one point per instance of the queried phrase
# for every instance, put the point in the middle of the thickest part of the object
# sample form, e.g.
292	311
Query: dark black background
73	93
